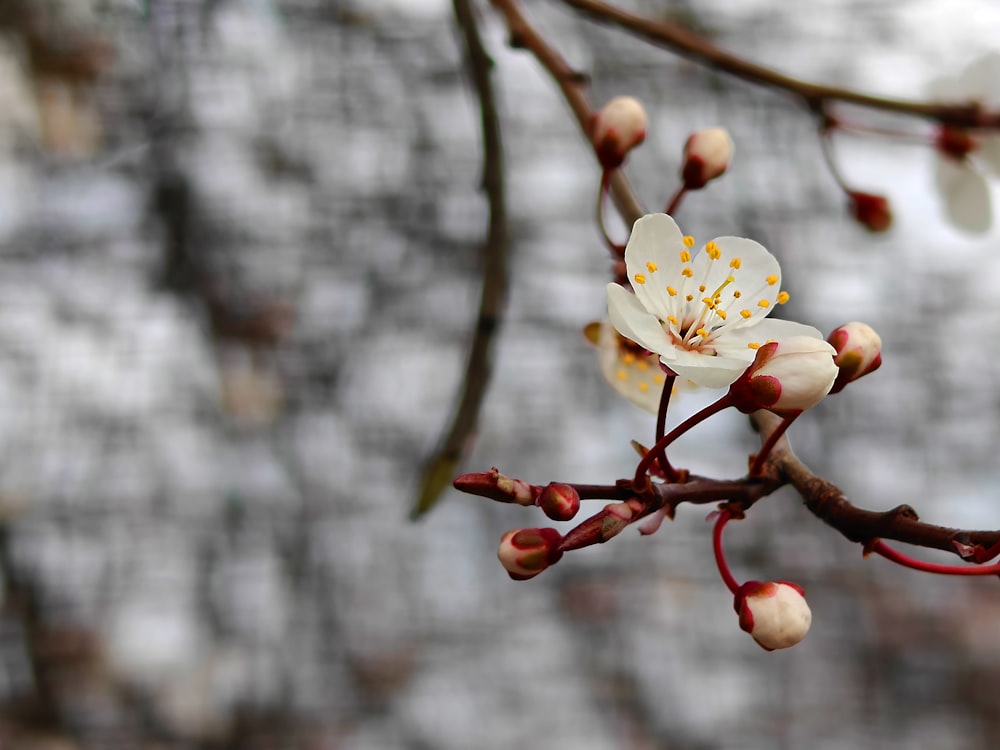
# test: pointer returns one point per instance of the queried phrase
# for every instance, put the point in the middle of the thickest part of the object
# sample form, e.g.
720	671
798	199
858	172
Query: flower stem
616	249
687	424
720	558
768	446
899	558
675	200
661	426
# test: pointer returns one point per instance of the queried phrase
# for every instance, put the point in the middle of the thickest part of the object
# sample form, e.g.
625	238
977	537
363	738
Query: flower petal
632	321
638	378
652	260
980	81
989	152
708	371
756	279
735	343
966	195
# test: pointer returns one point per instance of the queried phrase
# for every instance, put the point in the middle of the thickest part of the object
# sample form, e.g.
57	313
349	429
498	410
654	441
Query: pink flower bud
560	502
497	486
787	377
775	613
618	128
524	553
707	154
871	211
859	352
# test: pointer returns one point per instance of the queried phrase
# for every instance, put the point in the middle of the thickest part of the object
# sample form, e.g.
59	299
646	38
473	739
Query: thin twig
813	95
573	86
442	466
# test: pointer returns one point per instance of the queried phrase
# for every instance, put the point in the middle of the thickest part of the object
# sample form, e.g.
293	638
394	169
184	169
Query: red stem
675	200
899	558
687	424
768	446
720	558
661	426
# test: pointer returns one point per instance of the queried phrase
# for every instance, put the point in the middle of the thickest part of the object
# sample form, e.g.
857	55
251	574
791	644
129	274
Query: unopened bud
524	553
560	502
871	211
497	486
707	154
859	352
618	128
786	377
775	613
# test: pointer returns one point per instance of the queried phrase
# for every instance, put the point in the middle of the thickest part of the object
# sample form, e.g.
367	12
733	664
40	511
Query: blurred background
239	257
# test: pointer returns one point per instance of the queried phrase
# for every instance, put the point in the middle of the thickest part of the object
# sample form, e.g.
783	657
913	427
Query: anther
772	280
685	256
735	263
643	387
651	266
782	298
671	291
687	272
746	313
753	345
622	375
640	279
763	303
689	241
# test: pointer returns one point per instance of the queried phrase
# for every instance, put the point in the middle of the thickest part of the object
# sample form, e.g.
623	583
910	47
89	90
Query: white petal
652	260
966	195
734	342
708	371
989	152
635	379
756	266
980	81
633	322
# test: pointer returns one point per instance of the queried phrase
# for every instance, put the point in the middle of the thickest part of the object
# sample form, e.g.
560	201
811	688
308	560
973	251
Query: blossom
859	352
787	377
872	211
524	553
775	613
963	154
617	128
707	154
703	314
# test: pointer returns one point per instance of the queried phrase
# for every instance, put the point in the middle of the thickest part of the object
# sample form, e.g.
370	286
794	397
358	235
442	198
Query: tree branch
813	95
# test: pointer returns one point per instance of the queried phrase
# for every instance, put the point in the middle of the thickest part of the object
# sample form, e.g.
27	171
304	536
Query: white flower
775	613
859	352
703	313
787	377
707	154
963	154
617	128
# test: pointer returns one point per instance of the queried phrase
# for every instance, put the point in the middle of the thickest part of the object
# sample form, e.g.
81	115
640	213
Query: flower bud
859	352
618	128
497	486
524	553
707	154
871	211
786	377
775	613
560	502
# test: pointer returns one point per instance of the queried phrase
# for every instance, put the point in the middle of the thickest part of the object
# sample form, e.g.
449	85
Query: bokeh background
239	257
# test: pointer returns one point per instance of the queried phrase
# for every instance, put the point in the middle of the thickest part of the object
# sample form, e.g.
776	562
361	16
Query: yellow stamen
685	256
689	297
772	280
689	241
782	298
658	379
753	345
672	319
643	387
763	303
642	365
721	314
746	313
671	291
737	294
687	272
702	332
735	263
701	288
640	279
713	251
651	266
628	358
622	375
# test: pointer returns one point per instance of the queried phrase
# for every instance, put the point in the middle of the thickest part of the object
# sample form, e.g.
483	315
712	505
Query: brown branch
828	503
442	466
573	86
813	95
